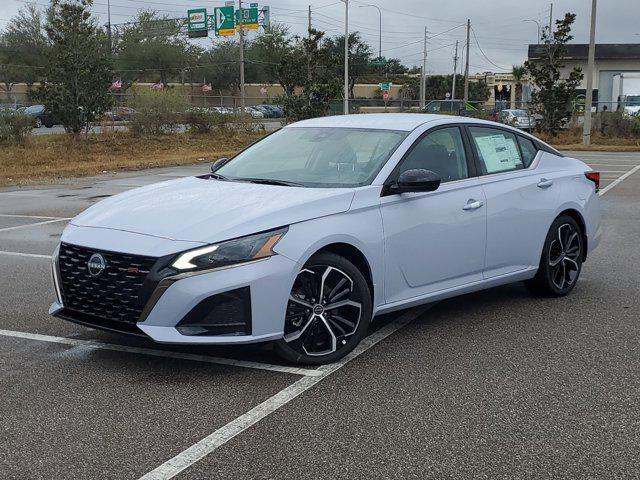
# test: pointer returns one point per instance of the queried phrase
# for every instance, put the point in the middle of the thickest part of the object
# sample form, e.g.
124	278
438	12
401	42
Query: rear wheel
38	122
328	313
561	260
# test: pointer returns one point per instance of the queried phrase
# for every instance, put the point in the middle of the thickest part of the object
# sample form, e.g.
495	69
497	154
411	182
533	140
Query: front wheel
328	313
561	260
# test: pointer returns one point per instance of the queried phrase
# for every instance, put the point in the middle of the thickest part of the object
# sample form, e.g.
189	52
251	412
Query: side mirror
218	163
415	180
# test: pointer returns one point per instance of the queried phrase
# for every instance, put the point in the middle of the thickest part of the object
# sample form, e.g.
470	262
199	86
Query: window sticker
498	153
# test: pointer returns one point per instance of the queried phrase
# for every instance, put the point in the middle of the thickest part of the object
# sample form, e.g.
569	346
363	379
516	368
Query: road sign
224	23
197	20
385	86
385	96
249	18
378	63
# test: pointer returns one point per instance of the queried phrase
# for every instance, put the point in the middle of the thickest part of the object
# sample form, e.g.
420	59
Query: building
610	59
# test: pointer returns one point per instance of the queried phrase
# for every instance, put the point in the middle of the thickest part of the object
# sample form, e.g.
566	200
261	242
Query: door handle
544	183
473	205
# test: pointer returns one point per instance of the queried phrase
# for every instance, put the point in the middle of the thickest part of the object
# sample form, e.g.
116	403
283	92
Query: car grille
114	294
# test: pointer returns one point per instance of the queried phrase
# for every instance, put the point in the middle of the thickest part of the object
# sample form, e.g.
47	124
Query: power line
482	52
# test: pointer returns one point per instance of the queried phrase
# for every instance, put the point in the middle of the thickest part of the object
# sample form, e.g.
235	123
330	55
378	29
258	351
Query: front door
435	240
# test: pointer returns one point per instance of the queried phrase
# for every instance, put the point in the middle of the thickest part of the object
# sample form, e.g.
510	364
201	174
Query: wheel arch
577	216
355	256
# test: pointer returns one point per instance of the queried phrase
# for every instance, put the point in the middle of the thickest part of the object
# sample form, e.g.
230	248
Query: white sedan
302	238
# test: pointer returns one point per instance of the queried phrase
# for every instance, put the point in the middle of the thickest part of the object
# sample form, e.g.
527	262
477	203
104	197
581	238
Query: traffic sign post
385	97
385	86
197	23
224	21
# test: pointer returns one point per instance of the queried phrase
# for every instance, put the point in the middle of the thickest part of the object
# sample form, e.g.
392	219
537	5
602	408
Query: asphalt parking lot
496	384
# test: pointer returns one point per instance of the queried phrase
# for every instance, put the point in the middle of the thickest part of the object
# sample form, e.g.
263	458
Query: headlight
240	250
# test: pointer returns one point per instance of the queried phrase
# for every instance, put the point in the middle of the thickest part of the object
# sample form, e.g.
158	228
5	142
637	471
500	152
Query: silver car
517	118
303	237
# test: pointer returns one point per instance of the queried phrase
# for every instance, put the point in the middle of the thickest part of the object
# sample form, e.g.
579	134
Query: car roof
378	121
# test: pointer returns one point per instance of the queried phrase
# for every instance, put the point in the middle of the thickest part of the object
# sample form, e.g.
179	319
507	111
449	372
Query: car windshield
34	109
633	100
316	157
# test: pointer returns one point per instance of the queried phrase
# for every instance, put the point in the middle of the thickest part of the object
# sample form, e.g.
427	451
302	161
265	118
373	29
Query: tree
438	86
518	72
23	49
79	73
359	58
264	54
307	75
553	94
152	48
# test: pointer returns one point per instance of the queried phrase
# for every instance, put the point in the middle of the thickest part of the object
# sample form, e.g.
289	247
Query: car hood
206	210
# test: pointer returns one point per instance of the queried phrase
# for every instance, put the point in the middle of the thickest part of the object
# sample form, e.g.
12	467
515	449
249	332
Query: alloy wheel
324	310
565	256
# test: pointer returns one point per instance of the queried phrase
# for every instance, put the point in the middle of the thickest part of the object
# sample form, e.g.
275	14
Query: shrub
203	120
157	112
14	126
617	124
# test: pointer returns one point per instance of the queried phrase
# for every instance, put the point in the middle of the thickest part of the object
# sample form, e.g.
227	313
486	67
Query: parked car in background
517	118
303	237
119	114
449	106
11	106
266	111
41	116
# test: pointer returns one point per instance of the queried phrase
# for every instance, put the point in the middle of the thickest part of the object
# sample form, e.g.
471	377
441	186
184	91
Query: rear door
435	240
521	199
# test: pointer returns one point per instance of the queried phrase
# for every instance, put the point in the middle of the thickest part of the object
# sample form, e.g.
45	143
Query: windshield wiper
217	176
268	181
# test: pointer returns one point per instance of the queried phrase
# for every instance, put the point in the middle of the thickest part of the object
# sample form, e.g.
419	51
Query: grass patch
571	139
53	157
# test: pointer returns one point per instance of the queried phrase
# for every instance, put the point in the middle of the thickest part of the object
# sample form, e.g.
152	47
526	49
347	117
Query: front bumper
266	284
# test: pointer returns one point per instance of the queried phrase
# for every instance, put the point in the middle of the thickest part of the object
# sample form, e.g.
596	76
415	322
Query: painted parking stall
129	408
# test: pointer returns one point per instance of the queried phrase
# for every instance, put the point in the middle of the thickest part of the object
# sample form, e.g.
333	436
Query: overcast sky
498	25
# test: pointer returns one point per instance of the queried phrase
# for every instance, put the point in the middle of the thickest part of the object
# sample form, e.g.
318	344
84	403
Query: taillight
595	178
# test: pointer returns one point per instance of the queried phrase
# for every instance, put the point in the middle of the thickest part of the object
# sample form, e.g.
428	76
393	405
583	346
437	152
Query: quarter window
497	150
441	152
529	150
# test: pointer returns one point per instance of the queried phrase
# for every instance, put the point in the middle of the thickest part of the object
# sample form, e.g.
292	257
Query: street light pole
586	132
380	36
109	25
346	58
538	24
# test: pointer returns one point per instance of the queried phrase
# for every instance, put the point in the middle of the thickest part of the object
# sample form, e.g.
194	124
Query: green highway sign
385	86
197	20
224	22
378	63
249	18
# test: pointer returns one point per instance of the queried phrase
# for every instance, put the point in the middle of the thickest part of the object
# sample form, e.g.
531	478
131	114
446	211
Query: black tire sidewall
331	259
543	278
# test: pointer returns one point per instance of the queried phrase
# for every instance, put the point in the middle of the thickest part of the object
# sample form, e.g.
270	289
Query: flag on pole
157	86
117	85
206	87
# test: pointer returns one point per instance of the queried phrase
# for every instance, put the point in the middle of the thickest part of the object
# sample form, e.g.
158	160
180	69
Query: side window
497	150
441	152
529	150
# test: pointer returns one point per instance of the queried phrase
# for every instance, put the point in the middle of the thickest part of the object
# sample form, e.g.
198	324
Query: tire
561	259
322	330
38	123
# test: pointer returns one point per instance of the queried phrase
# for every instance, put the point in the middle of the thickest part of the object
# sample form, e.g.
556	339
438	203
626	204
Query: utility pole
346	57
550	20
455	68
466	65
308	51
586	132
109	25
242	99
423	76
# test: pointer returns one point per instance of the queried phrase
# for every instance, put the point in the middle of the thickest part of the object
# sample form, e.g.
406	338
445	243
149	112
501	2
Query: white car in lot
303	237
517	118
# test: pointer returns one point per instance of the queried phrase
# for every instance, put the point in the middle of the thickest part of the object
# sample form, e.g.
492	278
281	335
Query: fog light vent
227	313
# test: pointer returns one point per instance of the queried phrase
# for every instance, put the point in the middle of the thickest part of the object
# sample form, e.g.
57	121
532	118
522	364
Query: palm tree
518	72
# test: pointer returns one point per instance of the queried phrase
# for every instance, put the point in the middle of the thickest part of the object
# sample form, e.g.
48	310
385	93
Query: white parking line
18	227
13	215
161	353
209	444
620	179
20	254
